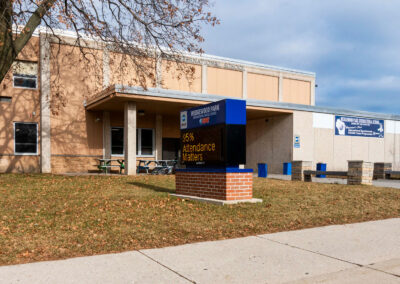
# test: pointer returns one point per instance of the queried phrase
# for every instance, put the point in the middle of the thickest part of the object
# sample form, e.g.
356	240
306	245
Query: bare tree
141	29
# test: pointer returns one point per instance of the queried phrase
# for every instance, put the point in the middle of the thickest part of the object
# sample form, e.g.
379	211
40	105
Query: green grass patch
46	217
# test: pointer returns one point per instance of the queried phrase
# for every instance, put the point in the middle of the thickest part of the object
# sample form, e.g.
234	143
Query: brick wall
360	172
380	169
298	168
61	164
222	186
19	164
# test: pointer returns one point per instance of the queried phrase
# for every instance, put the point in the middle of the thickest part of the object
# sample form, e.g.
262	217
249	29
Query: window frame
139	143
37	140
139	146
26	88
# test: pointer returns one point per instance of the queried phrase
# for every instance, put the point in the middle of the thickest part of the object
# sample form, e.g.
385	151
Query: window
25	74
144	141
25	138
5	99
145	137
117	141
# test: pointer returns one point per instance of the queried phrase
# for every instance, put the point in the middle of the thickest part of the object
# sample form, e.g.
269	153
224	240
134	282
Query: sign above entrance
214	134
358	126
222	112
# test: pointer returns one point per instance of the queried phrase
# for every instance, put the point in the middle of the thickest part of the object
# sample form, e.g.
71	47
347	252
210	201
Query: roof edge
158	92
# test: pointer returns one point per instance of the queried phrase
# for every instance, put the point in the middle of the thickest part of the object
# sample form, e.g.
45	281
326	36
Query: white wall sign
323	120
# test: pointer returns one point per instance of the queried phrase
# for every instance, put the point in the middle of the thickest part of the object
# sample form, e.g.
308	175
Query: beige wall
302	126
392	143
19	164
262	87
269	142
320	144
75	131
71	164
24	107
296	91
31	51
185	78
224	82
123	70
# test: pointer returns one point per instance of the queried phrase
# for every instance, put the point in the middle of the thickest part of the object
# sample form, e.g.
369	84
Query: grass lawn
45	217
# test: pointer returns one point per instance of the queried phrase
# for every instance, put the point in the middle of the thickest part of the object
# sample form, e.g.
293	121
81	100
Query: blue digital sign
358	126
222	112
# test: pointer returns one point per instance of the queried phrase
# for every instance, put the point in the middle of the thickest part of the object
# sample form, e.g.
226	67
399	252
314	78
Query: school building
60	113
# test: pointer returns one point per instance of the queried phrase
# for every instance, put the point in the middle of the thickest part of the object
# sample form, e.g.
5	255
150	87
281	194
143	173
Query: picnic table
159	167
106	164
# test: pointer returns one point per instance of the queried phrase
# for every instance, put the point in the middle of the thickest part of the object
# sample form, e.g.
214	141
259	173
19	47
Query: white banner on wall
392	127
323	120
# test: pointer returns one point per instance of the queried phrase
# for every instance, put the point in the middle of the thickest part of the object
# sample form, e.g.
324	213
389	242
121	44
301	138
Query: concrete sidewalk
380	182
357	253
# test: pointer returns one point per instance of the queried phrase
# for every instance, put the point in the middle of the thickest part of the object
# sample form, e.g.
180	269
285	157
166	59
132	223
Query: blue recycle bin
287	169
321	167
262	170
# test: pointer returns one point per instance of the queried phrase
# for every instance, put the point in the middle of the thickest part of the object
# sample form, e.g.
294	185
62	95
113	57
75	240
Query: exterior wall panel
175	79
296	91
124	71
24	107
341	153
324	146
19	164
269	142
262	87
75	131
302	126
224	82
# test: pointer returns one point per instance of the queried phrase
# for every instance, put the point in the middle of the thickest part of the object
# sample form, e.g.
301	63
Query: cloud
353	46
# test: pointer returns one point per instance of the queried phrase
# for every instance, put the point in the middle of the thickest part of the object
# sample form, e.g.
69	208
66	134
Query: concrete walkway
380	182
357	253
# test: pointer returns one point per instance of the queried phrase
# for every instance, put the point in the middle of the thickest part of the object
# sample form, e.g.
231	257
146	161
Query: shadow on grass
153	187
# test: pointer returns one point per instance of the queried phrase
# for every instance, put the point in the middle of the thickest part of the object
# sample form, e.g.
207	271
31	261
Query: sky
353	46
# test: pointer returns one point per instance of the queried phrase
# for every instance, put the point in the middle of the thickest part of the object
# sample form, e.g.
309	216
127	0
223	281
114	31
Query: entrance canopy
167	102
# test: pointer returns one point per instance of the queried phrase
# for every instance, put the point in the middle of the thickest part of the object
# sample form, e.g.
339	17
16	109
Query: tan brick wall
19	164
222	186
62	164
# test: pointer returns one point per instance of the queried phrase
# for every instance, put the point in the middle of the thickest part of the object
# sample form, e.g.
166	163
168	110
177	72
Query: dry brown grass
45	217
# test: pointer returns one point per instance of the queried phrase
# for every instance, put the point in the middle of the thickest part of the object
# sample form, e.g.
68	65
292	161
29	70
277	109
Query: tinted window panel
25	81
25	138
147	141
117	141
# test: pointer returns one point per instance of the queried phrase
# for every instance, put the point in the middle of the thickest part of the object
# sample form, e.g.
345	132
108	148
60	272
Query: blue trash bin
321	167
262	170
287	169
